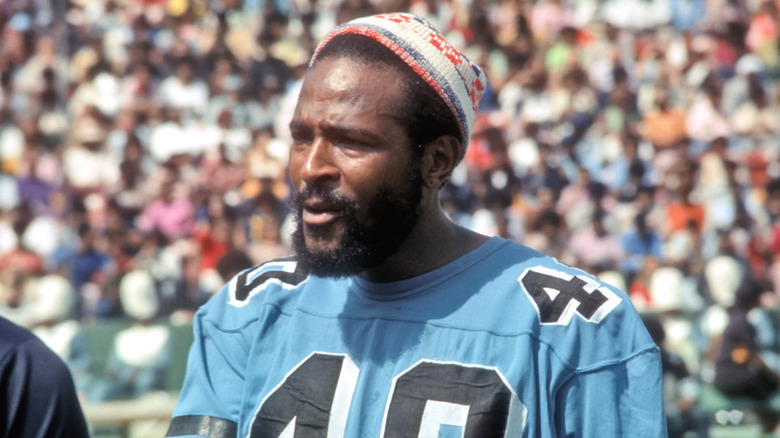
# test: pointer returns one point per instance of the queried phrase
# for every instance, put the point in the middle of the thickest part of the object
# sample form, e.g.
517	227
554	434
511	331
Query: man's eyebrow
336	129
349	130
297	124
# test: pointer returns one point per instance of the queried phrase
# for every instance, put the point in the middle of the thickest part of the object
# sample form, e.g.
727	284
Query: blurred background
143	152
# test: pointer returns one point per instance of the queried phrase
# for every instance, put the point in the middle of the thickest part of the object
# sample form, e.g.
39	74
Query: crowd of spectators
639	139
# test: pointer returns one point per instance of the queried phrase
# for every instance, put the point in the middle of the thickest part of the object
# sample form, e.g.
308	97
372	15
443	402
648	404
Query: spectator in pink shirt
172	213
548	17
596	248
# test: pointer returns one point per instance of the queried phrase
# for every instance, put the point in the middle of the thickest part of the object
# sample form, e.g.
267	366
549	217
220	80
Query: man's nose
318	167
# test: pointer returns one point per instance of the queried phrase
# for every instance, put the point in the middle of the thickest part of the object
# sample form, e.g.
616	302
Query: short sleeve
210	401
618	400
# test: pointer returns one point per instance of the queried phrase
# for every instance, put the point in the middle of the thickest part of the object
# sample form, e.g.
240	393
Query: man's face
357	183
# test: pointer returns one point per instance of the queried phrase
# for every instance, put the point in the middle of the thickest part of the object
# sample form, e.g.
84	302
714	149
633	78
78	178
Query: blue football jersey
502	342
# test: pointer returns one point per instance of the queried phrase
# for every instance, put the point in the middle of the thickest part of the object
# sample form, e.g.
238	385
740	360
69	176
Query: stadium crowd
143	147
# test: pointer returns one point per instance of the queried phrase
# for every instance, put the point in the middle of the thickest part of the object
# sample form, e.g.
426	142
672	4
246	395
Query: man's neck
433	243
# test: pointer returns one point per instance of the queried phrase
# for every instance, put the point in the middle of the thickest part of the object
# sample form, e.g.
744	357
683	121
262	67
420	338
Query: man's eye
350	143
301	138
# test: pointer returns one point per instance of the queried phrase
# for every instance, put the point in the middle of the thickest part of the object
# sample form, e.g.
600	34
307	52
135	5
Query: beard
371	234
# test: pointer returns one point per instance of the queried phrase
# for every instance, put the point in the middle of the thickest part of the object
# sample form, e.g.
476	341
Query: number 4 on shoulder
558	296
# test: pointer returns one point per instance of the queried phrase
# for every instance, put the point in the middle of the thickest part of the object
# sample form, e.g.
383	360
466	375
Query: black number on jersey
283	271
557	296
313	400
427	399
434	395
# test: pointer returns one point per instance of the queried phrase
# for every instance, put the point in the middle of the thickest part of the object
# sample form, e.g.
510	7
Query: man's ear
439	159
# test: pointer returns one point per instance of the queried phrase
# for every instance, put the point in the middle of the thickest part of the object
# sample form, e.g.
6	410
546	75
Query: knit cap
416	41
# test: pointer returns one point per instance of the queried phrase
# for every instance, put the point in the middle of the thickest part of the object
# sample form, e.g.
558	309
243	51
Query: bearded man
391	320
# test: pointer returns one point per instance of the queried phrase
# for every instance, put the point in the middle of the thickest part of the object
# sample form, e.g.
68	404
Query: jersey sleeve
209	403
226	329
618	400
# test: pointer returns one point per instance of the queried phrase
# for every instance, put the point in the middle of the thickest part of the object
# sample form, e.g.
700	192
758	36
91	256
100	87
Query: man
391	321
37	395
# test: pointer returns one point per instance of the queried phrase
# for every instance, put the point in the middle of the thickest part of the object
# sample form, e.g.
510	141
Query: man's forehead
344	78
343	91
346	65
338	72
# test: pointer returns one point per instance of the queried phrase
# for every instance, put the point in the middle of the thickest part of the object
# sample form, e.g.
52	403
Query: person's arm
37	395
619	400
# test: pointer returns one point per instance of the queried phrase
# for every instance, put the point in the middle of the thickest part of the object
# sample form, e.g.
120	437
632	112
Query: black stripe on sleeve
203	425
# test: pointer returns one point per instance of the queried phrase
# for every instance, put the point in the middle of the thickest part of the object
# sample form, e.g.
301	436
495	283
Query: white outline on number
279	266
342	396
515	421
613	300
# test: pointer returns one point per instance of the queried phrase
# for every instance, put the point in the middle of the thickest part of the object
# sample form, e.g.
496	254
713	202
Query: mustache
329	197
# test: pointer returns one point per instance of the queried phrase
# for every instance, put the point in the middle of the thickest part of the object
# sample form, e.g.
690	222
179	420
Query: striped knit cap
452	75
